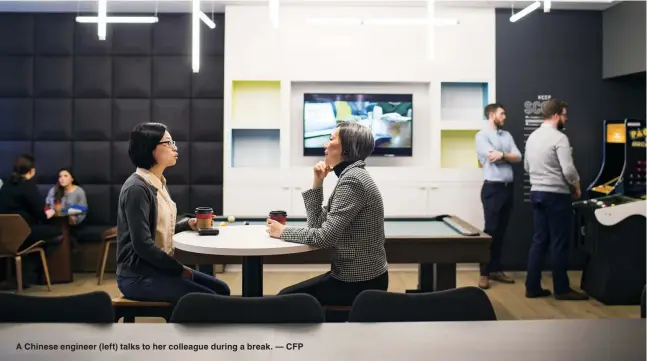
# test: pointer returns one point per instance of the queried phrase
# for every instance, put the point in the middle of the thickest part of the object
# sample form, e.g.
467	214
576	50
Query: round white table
251	242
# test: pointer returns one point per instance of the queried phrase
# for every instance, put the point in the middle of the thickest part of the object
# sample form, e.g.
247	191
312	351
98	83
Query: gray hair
357	141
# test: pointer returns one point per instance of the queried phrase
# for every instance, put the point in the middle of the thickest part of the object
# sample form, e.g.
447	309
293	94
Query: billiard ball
222	224
231	219
246	223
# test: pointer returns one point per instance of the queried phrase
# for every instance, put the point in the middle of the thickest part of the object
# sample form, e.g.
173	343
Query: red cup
204	217
279	216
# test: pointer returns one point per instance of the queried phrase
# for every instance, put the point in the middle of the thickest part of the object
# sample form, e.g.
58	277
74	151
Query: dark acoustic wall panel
71	100
559	54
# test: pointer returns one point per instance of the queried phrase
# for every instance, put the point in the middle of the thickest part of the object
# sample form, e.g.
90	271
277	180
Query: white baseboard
311	268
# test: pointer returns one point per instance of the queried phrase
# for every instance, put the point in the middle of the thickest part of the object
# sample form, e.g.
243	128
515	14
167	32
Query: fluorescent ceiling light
118	19
197	17
101	23
547	6
274	13
530	8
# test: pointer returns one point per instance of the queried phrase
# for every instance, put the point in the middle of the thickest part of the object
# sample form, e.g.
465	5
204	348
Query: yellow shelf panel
458	149
256	103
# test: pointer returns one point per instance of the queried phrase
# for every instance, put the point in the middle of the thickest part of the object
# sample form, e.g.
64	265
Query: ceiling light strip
530	8
101	21
118	19
197	17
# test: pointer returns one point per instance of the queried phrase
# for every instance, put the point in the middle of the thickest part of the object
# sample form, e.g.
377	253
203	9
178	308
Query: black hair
21	166
144	138
59	191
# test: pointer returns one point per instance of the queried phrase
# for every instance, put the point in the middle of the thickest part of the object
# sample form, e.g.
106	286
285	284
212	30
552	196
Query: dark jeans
164	288
497	199
32	265
552	217
332	292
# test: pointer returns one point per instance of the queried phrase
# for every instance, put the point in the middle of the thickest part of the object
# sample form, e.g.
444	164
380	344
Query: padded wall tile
92	163
86	40
180	173
122	167
206	163
16	119
172	35
92	77
206	196
50	157
53	119
176	114
16	76
171	77
213	41
92	119
132	77
54	77
126	113
210	81
132	39
16	34
10	150
115	189
207	120
54	34
180	195
43	189
99	204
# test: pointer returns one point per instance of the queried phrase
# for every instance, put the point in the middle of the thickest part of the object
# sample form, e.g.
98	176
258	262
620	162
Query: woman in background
68	193
352	224
20	195
146	223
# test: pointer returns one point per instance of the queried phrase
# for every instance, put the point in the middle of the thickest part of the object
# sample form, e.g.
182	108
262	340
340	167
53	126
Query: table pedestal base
435	277
253	276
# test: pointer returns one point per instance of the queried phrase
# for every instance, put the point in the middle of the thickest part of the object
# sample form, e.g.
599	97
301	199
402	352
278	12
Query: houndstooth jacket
352	225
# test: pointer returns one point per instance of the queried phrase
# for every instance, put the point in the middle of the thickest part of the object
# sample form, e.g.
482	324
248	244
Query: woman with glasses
146	223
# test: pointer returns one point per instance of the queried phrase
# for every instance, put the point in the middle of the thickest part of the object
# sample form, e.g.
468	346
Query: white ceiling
148	6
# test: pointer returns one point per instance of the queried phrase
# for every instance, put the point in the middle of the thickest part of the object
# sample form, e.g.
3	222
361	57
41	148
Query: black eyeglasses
171	143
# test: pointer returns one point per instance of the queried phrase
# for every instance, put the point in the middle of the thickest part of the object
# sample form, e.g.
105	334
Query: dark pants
332	292
32	264
164	288
497	199
551	216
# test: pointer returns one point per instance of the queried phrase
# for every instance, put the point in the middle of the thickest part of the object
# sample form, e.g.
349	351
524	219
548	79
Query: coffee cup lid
204	210
278	213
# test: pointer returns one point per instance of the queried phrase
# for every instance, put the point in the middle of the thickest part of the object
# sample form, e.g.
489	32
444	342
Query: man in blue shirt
496	152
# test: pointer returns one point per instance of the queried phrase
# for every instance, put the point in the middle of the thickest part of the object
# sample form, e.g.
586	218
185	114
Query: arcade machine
611	222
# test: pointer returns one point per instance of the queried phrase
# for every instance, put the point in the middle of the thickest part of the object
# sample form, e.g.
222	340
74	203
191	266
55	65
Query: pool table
436	244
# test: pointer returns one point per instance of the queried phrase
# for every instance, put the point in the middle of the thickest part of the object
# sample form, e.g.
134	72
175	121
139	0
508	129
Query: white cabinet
459	199
404	200
255	200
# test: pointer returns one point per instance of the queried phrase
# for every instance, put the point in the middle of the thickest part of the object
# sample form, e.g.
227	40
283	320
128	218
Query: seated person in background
146	223
20	195
352	224
68	193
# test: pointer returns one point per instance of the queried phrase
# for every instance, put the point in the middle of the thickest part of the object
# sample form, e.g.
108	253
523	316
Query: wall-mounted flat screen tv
389	116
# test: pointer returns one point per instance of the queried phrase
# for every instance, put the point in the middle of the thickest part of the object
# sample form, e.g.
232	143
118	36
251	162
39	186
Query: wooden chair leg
43	259
19	273
100	258
106	249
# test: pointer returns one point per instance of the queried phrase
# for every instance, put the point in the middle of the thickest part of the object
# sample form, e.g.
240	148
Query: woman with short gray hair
352	224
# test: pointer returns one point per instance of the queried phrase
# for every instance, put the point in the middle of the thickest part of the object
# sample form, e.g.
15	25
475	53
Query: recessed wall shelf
458	149
256	104
260	148
463	102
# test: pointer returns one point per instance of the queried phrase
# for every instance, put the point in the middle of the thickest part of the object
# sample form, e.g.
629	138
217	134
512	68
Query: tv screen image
389	116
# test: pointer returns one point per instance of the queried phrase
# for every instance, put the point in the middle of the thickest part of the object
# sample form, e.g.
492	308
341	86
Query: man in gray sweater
554	180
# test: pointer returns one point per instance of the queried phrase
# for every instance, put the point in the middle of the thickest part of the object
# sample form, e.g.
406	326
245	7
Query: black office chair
210	308
93	307
460	304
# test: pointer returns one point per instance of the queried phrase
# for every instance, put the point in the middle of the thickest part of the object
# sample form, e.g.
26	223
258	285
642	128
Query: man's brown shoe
484	283
501	277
